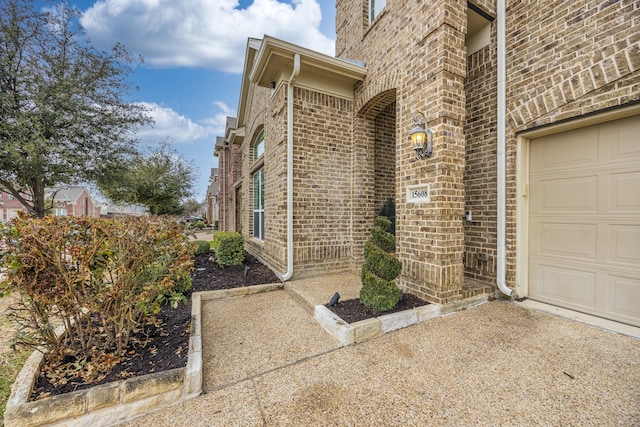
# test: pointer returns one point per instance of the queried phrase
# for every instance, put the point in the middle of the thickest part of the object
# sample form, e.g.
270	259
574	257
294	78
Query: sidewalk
267	364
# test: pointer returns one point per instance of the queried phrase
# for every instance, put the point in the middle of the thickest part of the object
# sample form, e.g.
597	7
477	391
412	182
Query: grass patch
10	365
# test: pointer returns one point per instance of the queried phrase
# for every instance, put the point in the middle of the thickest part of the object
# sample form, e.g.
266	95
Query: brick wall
385	155
322	195
224	177
415	50
480	172
322	180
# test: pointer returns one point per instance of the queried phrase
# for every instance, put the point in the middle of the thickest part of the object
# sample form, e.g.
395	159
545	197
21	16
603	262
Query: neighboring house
230	183
9	206
212	201
72	201
532	185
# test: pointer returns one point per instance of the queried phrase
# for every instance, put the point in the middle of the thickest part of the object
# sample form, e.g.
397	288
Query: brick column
430	234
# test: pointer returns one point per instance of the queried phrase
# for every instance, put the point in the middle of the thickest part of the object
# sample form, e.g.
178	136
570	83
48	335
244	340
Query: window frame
258	203
257	181
257	147
372	9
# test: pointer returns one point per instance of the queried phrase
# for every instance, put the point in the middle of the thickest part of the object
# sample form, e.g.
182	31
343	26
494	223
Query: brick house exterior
212	199
564	68
68	201
9	206
73	201
229	188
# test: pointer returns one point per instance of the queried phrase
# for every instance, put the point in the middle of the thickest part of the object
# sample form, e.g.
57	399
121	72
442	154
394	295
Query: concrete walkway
266	363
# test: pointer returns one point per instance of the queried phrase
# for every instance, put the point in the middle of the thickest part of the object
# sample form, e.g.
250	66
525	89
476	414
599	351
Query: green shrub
380	263
378	293
229	248
380	269
382	239
202	246
102	278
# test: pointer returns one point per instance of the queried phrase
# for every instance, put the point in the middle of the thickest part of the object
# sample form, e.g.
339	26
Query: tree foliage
159	180
192	207
62	113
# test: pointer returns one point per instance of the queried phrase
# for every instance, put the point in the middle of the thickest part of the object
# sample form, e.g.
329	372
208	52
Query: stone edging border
118	401
367	329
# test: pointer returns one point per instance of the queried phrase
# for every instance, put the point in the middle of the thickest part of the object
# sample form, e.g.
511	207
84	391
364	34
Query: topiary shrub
202	246
380	269
229	248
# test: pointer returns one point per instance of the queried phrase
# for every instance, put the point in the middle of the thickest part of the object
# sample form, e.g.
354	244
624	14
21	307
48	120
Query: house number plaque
418	194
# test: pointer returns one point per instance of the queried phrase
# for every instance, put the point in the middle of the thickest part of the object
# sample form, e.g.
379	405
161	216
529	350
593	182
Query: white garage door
584	220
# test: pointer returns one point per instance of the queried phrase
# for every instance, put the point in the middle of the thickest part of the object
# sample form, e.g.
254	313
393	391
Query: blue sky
193	55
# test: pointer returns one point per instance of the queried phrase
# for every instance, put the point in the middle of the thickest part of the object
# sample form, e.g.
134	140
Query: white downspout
502	142
294	75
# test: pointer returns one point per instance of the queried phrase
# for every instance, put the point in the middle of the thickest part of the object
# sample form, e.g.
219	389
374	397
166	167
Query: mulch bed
164	344
167	341
353	310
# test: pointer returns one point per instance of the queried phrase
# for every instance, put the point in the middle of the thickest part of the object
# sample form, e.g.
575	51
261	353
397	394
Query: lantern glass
417	137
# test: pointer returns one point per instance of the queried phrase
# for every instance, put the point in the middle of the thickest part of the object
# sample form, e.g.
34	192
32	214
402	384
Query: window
375	7
258	146
258	204
258	189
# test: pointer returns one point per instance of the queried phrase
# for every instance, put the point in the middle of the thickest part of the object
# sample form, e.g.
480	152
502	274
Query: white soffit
319	72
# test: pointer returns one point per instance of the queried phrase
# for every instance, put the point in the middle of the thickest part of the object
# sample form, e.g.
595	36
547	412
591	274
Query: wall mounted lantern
421	137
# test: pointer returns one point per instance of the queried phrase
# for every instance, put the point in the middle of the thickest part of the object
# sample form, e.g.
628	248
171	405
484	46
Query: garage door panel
578	241
565	194
624	192
624	298
578	148
625	245
572	287
624	138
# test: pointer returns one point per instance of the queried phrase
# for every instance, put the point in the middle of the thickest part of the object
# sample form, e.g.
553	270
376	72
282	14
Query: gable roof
66	194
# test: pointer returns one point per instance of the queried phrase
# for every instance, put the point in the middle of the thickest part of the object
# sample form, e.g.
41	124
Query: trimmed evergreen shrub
202	246
380	269
378	293
380	263
229	248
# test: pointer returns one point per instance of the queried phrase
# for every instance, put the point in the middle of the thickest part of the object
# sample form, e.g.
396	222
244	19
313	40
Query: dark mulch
167	340
164	344
353	310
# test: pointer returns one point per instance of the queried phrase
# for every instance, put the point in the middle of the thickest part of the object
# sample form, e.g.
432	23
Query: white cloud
176	128
202	33
219	120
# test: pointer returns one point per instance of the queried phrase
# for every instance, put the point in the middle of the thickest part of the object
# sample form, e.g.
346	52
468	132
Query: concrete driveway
498	363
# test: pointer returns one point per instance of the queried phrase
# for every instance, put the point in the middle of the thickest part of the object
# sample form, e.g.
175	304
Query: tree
160	180
62	116
192	207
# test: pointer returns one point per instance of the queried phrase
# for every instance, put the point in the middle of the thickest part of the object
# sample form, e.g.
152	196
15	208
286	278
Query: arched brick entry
375	168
